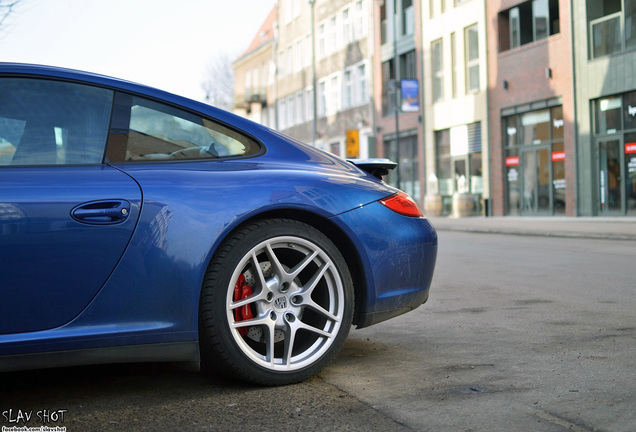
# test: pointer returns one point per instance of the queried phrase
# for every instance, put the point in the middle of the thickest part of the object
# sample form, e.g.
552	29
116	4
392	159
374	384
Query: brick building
531	99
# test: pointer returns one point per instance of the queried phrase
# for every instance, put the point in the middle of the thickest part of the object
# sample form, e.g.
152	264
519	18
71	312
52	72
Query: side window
44	122
146	130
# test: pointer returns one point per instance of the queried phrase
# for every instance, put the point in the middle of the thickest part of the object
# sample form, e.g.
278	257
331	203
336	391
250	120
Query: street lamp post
314	125
396	88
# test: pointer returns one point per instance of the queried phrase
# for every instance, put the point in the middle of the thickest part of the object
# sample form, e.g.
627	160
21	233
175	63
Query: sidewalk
610	228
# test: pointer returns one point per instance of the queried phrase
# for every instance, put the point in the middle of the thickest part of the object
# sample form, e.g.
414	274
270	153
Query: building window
333	100
534	160
612	26
347	26
383	25
322	98
528	22
288	11
362	94
290	111
608	114
408	17
459	161
282	124
332	39
299	108
334	147
308	51
322	48
408	164
471	44
289	60
281	64
309	104
298	55
437	70
408	69
453	47
359	25
347	95
388	97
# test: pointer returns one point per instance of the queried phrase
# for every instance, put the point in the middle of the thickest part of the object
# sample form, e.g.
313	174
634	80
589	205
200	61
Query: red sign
630	148
512	161
558	156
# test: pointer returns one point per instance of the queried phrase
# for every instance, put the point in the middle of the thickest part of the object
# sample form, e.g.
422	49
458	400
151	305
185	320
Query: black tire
289	317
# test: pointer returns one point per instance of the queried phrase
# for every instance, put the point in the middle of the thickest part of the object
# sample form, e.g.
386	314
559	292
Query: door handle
102	212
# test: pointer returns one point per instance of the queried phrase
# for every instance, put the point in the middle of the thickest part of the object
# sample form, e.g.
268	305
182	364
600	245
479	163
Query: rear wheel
276	304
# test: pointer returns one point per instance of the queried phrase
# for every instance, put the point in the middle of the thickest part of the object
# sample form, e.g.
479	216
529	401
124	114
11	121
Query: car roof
45	71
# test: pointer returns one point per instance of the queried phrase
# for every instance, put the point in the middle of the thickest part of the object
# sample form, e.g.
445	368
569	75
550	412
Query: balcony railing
253	95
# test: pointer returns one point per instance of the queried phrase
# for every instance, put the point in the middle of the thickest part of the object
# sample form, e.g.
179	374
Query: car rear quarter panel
400	254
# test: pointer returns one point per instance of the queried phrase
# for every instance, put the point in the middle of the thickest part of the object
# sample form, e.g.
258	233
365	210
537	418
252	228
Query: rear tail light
402	204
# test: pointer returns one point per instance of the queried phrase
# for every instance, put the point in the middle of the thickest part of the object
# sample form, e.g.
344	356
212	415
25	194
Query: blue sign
410	95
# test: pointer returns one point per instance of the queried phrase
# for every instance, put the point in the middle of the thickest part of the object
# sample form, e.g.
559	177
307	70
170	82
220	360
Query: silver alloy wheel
296	304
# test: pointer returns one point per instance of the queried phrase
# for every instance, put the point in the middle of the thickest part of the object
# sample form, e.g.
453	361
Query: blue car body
104	262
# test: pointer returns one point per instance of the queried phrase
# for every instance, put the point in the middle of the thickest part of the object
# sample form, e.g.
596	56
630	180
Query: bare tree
219	82
6	8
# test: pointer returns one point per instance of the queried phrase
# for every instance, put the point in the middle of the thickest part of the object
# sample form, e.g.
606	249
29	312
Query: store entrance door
536	196
610	177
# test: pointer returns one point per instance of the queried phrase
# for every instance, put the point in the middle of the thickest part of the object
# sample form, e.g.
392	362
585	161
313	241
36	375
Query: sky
166	44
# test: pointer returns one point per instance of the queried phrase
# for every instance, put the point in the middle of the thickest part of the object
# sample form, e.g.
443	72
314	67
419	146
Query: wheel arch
334	233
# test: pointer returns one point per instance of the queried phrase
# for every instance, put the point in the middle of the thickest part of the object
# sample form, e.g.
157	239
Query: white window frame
291	119
299	107
347	26
348	97
282	124
360	20
322	40
471	64
298	55
334	98
322	98
332	34
362	80
309	103
289	65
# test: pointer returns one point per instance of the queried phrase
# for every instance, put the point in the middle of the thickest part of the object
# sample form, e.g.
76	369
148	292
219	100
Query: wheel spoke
298	325
259	321
259	271
278	267
309	287
271	333
309	303
293	273
290	338
261	296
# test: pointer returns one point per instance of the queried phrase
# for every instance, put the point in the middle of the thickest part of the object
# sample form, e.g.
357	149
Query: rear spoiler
376	167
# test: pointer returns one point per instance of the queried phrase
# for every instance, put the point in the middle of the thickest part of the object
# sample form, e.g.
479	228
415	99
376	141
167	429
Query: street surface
521	334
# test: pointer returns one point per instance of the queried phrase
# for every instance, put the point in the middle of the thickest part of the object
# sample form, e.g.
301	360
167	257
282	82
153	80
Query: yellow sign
353	143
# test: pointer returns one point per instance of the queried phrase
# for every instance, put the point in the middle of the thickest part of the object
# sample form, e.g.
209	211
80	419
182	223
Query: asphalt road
520	334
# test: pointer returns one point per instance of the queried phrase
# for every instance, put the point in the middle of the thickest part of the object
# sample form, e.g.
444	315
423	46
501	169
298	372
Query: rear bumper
368	319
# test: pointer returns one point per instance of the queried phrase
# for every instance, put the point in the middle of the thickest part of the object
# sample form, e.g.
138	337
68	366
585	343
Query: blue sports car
136	225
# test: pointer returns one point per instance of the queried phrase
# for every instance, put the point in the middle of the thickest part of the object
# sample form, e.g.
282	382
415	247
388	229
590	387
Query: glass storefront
408	166
534	160
615	154
459	164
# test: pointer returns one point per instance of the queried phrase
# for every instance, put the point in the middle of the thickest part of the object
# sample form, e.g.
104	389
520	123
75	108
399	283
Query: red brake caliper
241	291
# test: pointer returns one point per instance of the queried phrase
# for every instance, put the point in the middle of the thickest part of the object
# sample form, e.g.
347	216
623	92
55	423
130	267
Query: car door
65	218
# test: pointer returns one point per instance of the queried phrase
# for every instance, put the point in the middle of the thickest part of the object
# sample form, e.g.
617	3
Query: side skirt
177	352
